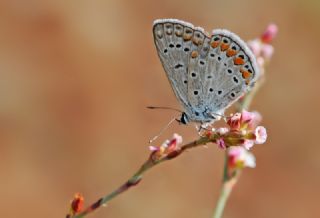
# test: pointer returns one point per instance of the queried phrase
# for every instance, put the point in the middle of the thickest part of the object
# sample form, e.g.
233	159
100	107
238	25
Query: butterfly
207	73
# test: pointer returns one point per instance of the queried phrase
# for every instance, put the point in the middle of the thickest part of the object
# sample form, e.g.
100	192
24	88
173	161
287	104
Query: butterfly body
206	73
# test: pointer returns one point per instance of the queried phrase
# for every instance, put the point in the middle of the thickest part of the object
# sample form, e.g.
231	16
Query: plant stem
227	185
245	103
136	178
230	180
225	192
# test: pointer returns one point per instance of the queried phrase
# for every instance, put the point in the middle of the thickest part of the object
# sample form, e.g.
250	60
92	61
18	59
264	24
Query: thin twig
136	178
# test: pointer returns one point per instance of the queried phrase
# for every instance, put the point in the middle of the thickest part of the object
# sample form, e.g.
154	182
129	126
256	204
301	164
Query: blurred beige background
75	77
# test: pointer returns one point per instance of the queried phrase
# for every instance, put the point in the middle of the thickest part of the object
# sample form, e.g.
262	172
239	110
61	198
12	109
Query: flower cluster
243	131
169	148
261	47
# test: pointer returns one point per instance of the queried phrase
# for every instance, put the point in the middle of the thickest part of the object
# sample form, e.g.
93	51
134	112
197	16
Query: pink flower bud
239	157
261	135
222	130
153	148
220	142
234	121
255	46
251	118
168	148
247	144
77	203
260	61
267	51
270	33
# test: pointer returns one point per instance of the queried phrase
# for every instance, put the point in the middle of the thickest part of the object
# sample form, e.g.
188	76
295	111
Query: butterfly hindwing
234	69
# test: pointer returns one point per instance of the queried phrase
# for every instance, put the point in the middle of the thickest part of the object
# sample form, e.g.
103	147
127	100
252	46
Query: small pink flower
247	116
267	51
247	144
220	142
255	46
235	121
222	130
239	157
251	118
244	120
172	145
261	135
270	33
168	148
153	148
260	61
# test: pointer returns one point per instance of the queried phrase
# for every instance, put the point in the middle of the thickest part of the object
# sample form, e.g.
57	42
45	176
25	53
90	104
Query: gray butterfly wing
173	42
233	69
207	74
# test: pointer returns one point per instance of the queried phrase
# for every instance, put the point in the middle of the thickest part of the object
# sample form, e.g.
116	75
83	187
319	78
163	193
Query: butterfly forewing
207	74
174	58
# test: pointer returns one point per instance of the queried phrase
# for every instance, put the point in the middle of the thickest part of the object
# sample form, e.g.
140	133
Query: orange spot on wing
194	54
187	37
231	52
238	61
178	33
215	44
246	74
224	46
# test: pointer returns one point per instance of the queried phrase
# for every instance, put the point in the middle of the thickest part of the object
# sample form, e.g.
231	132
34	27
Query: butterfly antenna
166	108
163	129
